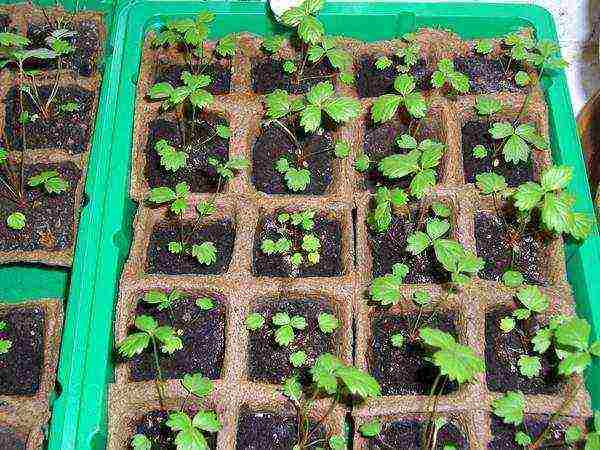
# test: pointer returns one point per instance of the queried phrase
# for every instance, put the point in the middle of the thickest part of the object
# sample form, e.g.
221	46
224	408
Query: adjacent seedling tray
24	283
105	237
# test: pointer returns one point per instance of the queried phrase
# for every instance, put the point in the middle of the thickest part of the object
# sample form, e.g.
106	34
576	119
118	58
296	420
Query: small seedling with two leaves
189	433
297	241
178	201
333	380
5	344
419	163
386	107
446	76
408	56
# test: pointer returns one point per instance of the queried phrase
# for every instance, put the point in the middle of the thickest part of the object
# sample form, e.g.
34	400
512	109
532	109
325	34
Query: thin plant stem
288	132
160	381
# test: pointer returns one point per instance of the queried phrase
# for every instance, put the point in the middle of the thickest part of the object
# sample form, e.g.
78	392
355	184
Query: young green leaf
510	407
141	442
529	366
273	44
397	340
371	428
512	278
342	149
16	221
484	46
254	321
197	385
205	253
298	358
328	323
386	106
50	180
446	73
486	106
205	303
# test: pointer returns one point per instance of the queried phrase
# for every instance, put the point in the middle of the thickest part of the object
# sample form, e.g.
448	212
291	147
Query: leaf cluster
517	141
191	91
5	344
386	107
380	218
150	332
447	74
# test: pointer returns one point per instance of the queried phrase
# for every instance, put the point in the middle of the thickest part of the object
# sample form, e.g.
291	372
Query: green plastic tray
80	412
22	282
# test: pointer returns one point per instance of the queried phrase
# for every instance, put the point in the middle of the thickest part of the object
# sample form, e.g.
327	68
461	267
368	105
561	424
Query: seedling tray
105	238
28	284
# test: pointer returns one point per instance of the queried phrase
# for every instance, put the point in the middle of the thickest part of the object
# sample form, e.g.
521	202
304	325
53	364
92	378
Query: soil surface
407	434
316	155
488	74
268	75
380	142
69	131
268	361
476	133
201	143
389	248
21	368
160	260
503	435
492	241
502	351
153	426
5	22
219	72
259	430
405	370
49	217
10	440
202	333
374	82
85	58
330	264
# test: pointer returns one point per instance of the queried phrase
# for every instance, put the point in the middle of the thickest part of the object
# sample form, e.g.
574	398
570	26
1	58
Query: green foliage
149	331
3	155
329	49
459	362
332	376
491	183
191	91
161	299
284	327
191	32
554	204
570	338
397	340
197	385
189	433
273	44
223	131
309	29
50	180
510	407
484	46
170	158
5	344
522	78
512	278
516	141
419	163
385	290
296	180
447	74
177	199
371	428
385	107
320	100
486	106
529	366
228	169
380	218
328	323
479	151
409	56
383	62
227	45
533	300
362	163
298	358
205	303
205	253
141	442
347	78
342	149
289	66
69	107
255	321
16	220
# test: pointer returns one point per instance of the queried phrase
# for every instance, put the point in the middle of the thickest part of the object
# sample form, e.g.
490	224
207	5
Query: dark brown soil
5	22
488	74
380	141
405	370
21	368
407	434
503	435
493	245
153	426
373	82
268	75
502	351
476	133
268	361
160	260
389	248
219	73
330	264
261	430
202	333
198	173
316	155
85	58
49	217
69	131
9	440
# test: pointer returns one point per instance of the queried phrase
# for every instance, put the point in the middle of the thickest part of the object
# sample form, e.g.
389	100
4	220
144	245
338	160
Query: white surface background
578	24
